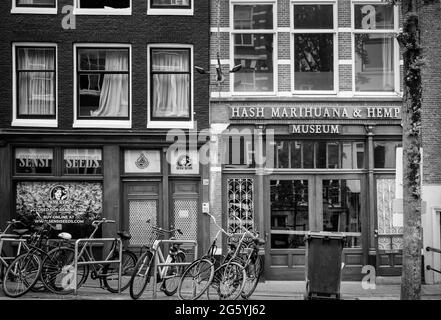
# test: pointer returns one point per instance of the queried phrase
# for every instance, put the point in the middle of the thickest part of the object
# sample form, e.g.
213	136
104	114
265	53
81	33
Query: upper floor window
170	88
314	38
117	7
376	67
253	39
170	7
34	6
35	84
102	84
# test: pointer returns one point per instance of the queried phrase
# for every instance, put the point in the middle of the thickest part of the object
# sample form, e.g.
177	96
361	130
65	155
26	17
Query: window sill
170	12
170	125
52	123
111	124
34	10
104	12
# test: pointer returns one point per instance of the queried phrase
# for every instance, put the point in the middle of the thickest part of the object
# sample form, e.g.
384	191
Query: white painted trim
222	29
107	12
52	123
283	29
101	123
175	124
170	11
284	61
284	94
223	62
216	169
342	30
33	10
217	94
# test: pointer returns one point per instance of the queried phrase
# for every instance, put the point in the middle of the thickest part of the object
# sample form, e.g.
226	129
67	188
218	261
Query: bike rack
11	238
77	263
159	264
436	251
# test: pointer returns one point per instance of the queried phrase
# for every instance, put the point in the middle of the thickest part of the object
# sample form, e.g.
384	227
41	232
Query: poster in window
142	161
83	161
60	202
184	162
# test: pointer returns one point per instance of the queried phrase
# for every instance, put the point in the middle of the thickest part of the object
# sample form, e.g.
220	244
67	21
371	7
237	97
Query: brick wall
138	29
431	115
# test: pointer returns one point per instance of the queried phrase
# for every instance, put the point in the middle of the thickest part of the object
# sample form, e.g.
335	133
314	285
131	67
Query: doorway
298	204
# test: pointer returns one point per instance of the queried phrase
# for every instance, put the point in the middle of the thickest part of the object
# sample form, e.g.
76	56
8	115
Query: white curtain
170	91
388	62
114	90
36	89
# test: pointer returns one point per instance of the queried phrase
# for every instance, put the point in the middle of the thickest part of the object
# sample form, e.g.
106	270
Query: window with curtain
103	4
314	34
170	84
170	4
35	3
254	49
103	83
36	81
375	47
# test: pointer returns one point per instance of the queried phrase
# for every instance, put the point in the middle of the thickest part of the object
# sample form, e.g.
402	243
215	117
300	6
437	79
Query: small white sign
183	213
397	220
205	207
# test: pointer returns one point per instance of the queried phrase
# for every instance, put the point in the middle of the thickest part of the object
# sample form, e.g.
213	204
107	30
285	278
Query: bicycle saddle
124	235
65	236
20	231
259	241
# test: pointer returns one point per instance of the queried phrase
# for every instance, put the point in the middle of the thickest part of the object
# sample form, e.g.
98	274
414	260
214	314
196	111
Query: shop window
35	87
376	49
253	39
142	161
32	161
342	207
385	153
108	7
82	162
297	154
170	4
289	213
314	36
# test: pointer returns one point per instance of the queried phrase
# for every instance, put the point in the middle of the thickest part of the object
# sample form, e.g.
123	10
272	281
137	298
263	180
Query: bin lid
325	234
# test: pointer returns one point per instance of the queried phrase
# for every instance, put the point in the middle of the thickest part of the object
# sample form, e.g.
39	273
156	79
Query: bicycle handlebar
159	229
96	223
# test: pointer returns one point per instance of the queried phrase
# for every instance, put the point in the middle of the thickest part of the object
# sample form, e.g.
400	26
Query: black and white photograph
217	157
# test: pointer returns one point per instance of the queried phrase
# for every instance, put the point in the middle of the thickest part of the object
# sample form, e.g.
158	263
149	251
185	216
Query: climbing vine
413	63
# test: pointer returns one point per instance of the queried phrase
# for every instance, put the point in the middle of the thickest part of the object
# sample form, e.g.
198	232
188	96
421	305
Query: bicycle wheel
171	282
111	272
58	271
196	279
21	274
254	271
141	275
228	282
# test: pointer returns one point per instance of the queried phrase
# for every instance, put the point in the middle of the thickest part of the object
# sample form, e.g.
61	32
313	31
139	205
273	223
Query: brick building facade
89	93
308	131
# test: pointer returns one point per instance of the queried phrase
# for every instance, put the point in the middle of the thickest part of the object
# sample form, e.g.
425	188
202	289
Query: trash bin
323	264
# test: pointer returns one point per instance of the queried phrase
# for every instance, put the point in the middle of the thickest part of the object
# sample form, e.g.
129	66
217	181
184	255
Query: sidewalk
269	290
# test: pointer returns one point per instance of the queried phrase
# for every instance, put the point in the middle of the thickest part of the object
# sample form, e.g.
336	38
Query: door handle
376	233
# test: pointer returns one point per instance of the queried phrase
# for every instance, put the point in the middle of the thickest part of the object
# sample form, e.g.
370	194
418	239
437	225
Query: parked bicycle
168	276
58	267
226	281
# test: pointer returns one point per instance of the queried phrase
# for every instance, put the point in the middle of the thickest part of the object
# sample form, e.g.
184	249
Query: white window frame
33	10
272	31
172	124
100	123
334	31
110	12
16	122
170	11
397	63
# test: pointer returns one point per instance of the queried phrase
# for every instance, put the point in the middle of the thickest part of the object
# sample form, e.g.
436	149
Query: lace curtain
114	89
36	94
171	91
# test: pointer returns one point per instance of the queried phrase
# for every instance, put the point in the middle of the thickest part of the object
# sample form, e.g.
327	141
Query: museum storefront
316	169
70	185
